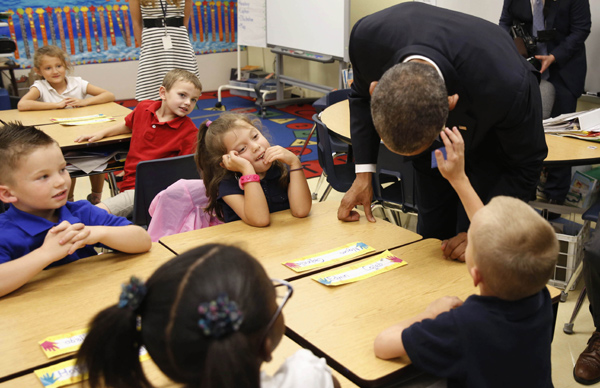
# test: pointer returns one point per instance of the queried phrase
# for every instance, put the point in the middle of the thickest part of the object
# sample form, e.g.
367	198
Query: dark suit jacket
480	62
571	20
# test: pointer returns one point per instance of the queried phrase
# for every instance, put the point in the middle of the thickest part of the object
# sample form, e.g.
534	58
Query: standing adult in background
561	28
159	27
473	69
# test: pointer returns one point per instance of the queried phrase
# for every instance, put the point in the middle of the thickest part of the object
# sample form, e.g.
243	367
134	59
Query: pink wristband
248	178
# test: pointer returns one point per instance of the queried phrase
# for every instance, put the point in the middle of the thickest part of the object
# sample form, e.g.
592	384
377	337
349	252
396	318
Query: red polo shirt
151	139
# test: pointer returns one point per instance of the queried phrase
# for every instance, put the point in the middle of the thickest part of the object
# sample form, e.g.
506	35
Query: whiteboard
317	26
252	24
491	9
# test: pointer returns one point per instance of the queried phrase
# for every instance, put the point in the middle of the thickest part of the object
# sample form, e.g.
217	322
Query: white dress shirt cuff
365	168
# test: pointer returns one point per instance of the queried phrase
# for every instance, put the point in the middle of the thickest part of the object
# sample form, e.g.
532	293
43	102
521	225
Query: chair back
396	170
153	176
339	176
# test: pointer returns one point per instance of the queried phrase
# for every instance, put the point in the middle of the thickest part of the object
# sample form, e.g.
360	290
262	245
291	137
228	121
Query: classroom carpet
287	126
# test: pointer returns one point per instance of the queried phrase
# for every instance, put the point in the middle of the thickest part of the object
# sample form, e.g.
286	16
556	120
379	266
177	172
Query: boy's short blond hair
16	142
180	75
514	248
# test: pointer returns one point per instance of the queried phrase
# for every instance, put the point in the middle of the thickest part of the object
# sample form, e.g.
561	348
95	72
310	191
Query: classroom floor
565	348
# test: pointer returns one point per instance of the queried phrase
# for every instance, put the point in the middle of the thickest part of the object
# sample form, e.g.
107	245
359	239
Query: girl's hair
152	3
169	317
51	51
210	151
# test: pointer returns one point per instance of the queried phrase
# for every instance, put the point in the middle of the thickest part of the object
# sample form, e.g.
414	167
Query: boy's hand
59	241
233	162
442	305
453	167
90	138
279	153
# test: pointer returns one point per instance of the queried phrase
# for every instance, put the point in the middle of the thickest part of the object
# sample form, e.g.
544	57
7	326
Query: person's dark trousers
591	275
558	181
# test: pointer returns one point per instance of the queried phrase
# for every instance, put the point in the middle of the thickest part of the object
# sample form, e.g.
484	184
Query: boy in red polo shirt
159	129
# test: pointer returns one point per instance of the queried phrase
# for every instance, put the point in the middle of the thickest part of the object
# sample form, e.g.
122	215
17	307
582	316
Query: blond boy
159	129
41	229
501	337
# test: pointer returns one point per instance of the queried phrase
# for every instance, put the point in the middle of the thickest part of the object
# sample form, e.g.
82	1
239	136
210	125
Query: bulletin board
101	31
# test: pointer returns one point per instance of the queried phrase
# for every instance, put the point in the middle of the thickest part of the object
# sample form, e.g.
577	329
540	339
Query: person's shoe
587	368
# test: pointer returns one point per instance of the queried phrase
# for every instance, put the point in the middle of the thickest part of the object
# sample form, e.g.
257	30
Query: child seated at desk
41	229
245	177
56	90
159	129
208	318
502	337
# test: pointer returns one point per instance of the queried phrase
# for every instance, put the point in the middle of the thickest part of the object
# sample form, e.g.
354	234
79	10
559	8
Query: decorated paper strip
80	118
332	256
66	373
86	122
11	29
63	343
51	25
40	12
383	262
61	28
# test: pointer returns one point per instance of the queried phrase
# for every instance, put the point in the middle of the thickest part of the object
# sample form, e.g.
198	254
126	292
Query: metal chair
153	176
393	185
339	176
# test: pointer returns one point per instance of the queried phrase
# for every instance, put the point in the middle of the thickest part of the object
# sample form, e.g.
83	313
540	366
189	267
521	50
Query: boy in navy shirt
501	337
42	229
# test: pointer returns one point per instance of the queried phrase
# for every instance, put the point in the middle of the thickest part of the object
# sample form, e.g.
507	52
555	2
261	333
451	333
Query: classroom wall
120	77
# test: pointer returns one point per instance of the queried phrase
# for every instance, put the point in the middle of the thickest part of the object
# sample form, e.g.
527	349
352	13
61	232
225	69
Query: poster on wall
93	31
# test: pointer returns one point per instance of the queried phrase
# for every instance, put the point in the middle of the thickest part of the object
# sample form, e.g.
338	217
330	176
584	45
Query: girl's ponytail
110	351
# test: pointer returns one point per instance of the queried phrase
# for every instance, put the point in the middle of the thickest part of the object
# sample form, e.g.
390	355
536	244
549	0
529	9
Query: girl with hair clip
245	177
208	318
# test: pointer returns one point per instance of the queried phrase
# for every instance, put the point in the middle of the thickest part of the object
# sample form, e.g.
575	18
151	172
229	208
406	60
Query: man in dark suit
491	92
561	51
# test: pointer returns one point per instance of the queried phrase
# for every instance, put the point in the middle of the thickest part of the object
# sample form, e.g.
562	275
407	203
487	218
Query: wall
120	77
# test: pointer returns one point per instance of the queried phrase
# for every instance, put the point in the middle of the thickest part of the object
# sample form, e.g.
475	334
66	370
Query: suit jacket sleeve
506	19
579	26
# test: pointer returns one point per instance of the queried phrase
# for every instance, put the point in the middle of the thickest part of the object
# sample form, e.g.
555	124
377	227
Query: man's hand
361	193
454	248
546	61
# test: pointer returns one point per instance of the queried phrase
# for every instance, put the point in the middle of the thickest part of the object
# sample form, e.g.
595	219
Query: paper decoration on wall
83	30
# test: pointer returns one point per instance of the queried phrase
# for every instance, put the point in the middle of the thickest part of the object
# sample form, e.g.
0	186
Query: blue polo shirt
23	232
275	193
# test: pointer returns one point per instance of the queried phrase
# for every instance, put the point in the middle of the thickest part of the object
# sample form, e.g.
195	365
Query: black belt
160	22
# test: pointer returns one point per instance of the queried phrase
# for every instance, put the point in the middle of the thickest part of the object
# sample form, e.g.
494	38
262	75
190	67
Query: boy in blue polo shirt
501	337
41	229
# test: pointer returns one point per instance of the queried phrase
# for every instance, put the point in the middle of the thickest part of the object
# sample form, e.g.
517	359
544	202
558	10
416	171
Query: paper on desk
383	262
88	162
82	120
63	343
332	256
66	373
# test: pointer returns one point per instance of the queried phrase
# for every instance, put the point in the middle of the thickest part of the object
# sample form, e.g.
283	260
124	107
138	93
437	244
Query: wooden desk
289	238
42	117
63	299
342	322
562	151
65	135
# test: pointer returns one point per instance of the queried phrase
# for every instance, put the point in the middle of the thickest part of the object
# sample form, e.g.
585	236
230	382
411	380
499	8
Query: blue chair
153	176
339	176
393	185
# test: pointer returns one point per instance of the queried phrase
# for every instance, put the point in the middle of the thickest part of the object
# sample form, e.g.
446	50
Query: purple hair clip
219	317
208	123
132	294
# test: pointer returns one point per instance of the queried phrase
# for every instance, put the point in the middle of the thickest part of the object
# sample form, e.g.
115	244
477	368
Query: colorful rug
287	126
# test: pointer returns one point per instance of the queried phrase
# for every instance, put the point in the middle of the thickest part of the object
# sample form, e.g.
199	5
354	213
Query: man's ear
452	101
372	87
6	195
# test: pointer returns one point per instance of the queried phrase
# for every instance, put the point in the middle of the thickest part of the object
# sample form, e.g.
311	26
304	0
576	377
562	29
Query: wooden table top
285	349
342	322
64	299
66	134
561	150
290	238
42	117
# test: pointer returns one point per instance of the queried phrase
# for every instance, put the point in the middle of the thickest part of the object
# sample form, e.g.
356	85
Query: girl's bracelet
296	169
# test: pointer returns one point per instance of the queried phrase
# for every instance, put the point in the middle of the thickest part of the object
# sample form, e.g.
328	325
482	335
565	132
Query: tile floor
565	348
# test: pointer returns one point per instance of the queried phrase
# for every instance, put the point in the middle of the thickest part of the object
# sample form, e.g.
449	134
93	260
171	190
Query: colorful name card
63	343
83	120
335	255
66	372
383	262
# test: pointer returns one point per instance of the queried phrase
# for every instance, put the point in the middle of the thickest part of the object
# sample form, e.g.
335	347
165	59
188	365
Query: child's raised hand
442	305
233	162
279	153
453	167
89	138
